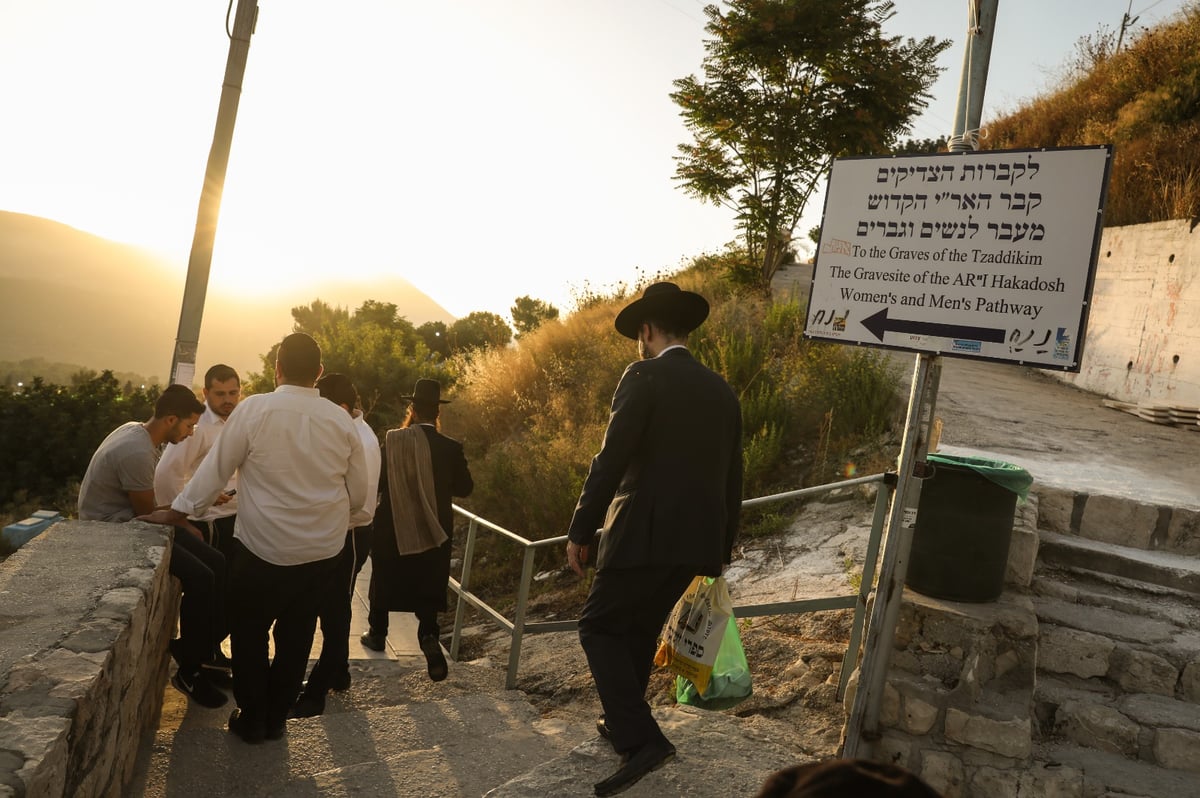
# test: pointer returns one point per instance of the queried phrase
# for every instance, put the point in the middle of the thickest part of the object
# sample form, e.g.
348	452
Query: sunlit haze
480	149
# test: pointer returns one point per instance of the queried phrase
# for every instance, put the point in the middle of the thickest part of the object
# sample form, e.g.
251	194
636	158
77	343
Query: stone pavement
1063	436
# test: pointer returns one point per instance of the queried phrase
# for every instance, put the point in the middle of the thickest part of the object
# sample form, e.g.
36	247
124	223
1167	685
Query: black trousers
335	612
287	596
618	629
201	572
427	622
218	533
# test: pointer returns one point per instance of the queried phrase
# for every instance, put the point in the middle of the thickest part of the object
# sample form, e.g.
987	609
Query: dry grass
1146	101
532	416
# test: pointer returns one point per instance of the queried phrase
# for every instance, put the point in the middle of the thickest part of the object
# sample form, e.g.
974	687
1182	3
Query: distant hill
71	297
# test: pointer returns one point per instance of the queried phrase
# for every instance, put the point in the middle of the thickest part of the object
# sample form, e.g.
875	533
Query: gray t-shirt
123	462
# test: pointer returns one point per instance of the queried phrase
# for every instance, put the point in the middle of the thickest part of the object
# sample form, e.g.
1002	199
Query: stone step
719	755
1099	773
1163	568
462	745
1119	519
1150	728
1097	589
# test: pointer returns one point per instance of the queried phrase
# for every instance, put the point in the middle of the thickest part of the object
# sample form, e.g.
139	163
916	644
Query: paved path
1064	436
402	647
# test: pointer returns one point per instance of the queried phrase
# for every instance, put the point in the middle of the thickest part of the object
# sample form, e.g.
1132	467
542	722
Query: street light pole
187	340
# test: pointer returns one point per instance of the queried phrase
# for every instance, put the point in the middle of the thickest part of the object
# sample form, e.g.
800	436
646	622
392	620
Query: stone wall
86	611
1080	681
1143	340
958	705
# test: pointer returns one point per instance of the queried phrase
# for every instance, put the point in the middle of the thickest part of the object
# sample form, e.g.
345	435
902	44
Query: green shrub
532	416
51	431
1145	100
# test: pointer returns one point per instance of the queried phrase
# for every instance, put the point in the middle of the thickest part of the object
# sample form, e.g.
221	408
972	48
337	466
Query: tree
477	330
50	431
312	317
433	333
788	86
378	349
920	146
528	314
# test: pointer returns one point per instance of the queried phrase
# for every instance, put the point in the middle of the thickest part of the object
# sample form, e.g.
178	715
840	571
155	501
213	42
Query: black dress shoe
435	660
649	757
376	641
247	730
309	705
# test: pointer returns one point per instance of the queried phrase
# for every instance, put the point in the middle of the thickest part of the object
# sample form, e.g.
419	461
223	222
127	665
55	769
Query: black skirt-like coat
412	582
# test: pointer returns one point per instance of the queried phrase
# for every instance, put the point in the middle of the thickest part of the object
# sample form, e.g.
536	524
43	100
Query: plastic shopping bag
730	683
693	632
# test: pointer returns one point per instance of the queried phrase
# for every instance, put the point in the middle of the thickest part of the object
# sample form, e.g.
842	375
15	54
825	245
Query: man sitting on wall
119	485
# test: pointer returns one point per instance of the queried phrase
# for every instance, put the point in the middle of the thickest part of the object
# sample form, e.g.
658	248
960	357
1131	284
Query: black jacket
416	581
666	487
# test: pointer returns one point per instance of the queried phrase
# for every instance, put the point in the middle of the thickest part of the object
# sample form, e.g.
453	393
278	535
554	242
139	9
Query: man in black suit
410	541
665	493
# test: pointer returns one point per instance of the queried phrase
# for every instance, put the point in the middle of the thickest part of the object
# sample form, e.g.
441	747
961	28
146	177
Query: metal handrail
518	627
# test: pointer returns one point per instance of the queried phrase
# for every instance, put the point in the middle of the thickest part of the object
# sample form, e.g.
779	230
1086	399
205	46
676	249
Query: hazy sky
483	149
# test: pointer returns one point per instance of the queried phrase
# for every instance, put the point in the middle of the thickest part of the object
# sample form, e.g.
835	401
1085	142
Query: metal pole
862	727
981	23
187	340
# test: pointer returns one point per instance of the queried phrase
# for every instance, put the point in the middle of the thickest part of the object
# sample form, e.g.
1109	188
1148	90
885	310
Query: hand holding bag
694	630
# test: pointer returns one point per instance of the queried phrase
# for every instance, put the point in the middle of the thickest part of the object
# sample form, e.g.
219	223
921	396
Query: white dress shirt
370	442
180	460
301	469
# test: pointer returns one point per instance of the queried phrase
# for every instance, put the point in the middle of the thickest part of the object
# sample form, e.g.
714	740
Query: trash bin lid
1006	475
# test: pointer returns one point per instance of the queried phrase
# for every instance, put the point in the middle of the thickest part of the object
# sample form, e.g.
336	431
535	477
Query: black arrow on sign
879	323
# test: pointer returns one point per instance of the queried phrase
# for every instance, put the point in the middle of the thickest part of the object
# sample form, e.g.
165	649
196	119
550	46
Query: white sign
987	255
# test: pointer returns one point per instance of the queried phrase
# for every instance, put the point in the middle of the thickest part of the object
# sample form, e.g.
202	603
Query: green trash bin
964	526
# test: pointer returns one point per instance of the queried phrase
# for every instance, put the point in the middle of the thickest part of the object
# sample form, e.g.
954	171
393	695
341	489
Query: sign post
976	255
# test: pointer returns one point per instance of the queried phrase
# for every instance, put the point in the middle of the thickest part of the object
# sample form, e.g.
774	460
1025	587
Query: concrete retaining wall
1143	340
86	611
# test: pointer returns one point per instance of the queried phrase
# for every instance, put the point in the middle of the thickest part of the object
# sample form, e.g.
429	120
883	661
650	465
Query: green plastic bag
730	683
1006	475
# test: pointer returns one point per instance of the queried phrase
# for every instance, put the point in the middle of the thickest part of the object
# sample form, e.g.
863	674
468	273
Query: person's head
338	389
661	317
222	389
175	414
426	402
298	361
839	778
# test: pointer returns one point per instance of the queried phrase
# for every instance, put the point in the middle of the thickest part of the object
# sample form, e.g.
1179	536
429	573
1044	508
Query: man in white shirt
222	389
301	470
332	669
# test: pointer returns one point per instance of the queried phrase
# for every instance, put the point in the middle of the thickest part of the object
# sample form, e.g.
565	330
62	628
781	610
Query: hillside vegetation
1145	100
532	416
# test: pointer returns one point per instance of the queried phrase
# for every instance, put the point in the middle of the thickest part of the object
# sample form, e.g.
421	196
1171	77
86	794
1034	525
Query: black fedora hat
426	392
338	389
664	302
